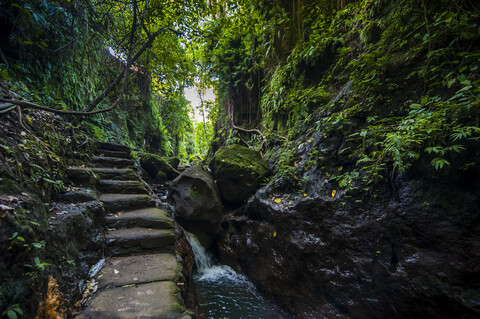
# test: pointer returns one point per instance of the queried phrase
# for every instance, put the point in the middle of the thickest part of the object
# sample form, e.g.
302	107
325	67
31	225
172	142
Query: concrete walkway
140	277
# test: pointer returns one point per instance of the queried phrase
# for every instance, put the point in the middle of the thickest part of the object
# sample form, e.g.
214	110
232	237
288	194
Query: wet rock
153	164
139	269
118	202
90	176
158	301
122	187
185	254
147	217
75	237
197	203
76	195
125	241
238	171
363	257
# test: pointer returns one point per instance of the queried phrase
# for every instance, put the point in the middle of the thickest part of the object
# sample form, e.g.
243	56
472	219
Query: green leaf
439	162
343	182
11	314
433	149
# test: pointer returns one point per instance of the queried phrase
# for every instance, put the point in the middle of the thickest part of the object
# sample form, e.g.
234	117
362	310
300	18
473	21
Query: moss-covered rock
197	203
153	164
238	171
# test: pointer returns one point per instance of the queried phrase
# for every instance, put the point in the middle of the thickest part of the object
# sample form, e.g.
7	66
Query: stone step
147	217
114	203
152	300
116	154
90	175
112	147
121	187
126	241
121	271
78	195
110	162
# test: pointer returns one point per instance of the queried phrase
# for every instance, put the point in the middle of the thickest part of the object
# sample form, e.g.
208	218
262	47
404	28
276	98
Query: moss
9	186
240	159
239	171
153	163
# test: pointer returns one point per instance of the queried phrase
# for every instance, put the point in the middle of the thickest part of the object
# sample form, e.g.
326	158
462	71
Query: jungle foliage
397	81
66	54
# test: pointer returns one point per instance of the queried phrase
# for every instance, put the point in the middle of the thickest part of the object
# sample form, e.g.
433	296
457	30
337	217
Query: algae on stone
238	171
153	164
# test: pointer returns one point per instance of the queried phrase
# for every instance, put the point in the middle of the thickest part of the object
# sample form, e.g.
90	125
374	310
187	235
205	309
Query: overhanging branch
122	76
129	63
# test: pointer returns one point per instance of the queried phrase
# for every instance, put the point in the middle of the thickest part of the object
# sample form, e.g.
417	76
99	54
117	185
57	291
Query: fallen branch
50	109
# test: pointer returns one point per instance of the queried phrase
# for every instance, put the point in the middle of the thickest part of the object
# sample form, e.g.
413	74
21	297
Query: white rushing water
225	293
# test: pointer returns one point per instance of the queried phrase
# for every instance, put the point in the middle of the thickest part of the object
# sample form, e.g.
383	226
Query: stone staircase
142	275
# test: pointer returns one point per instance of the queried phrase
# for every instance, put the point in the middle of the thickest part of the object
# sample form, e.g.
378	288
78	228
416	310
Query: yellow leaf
274	234
305	194
278	200
333	193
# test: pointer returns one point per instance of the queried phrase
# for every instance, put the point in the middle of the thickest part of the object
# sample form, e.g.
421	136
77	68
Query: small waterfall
206	268
224	293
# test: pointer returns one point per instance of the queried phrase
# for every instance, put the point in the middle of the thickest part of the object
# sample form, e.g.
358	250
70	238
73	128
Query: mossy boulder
153	164
238	171
197	203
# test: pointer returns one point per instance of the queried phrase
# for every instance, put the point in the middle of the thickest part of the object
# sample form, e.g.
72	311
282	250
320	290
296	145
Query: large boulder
324	256
197	203
153	164
238	171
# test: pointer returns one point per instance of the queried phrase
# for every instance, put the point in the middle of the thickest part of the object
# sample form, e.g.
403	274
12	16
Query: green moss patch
238	171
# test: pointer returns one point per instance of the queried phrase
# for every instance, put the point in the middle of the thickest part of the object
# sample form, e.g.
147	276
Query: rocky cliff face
322	253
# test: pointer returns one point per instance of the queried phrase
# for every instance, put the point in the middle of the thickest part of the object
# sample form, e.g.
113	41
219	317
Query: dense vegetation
397	81
72	55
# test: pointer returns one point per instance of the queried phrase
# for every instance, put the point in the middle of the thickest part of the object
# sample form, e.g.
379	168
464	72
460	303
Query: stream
224	293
